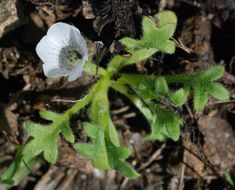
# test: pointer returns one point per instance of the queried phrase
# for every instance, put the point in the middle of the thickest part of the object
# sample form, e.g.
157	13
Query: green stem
93	69
181	78
137	78
82	102
116	85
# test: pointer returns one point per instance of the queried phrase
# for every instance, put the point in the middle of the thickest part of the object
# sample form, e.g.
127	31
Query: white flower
63	51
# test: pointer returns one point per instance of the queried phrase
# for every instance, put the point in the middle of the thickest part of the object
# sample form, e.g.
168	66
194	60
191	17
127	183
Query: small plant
147	93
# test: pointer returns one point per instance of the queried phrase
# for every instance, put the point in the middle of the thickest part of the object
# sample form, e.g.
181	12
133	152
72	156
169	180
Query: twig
222	102
121	110
180	45
63	100
130	115
153	157
182	172
124	183
189	111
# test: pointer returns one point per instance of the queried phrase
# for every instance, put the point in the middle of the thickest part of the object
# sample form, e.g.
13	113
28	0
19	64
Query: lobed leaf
213	73
167	123
139	55
167	18
116	158
49	115
179	97
99	112
103	153
156	36
218	91
129	42
95	150
200	98
17	171
173	131
161	86
67	132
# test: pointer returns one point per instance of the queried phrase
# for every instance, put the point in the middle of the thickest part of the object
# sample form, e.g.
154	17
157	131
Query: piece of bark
9	16
219	142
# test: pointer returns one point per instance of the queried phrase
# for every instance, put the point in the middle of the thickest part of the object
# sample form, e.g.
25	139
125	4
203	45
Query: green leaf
173	131
65	127
67	132
179	97
103	153
99	112
218	91
169	47
157	38
149	26
157	118
117	156
92	130
156	34
167	18
17	171
167	124
49	115
140	55
113	134
115	64
45	140
50	152
136	56
129	42
145	89
96	148
214	73
203	85
151	32
200	98
161	85
229	179
8	176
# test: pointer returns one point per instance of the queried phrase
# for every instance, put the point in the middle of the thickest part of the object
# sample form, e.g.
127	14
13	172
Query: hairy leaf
95	150
214	73
117	157
218	91
103	153
129	42
161	85
167	123
99	112
140	55
167	18
179	97
200	98
49	115
157	32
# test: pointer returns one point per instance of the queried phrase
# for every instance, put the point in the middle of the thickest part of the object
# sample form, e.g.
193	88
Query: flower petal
79	42
77	71
51	71
61	36
47	52
59	33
